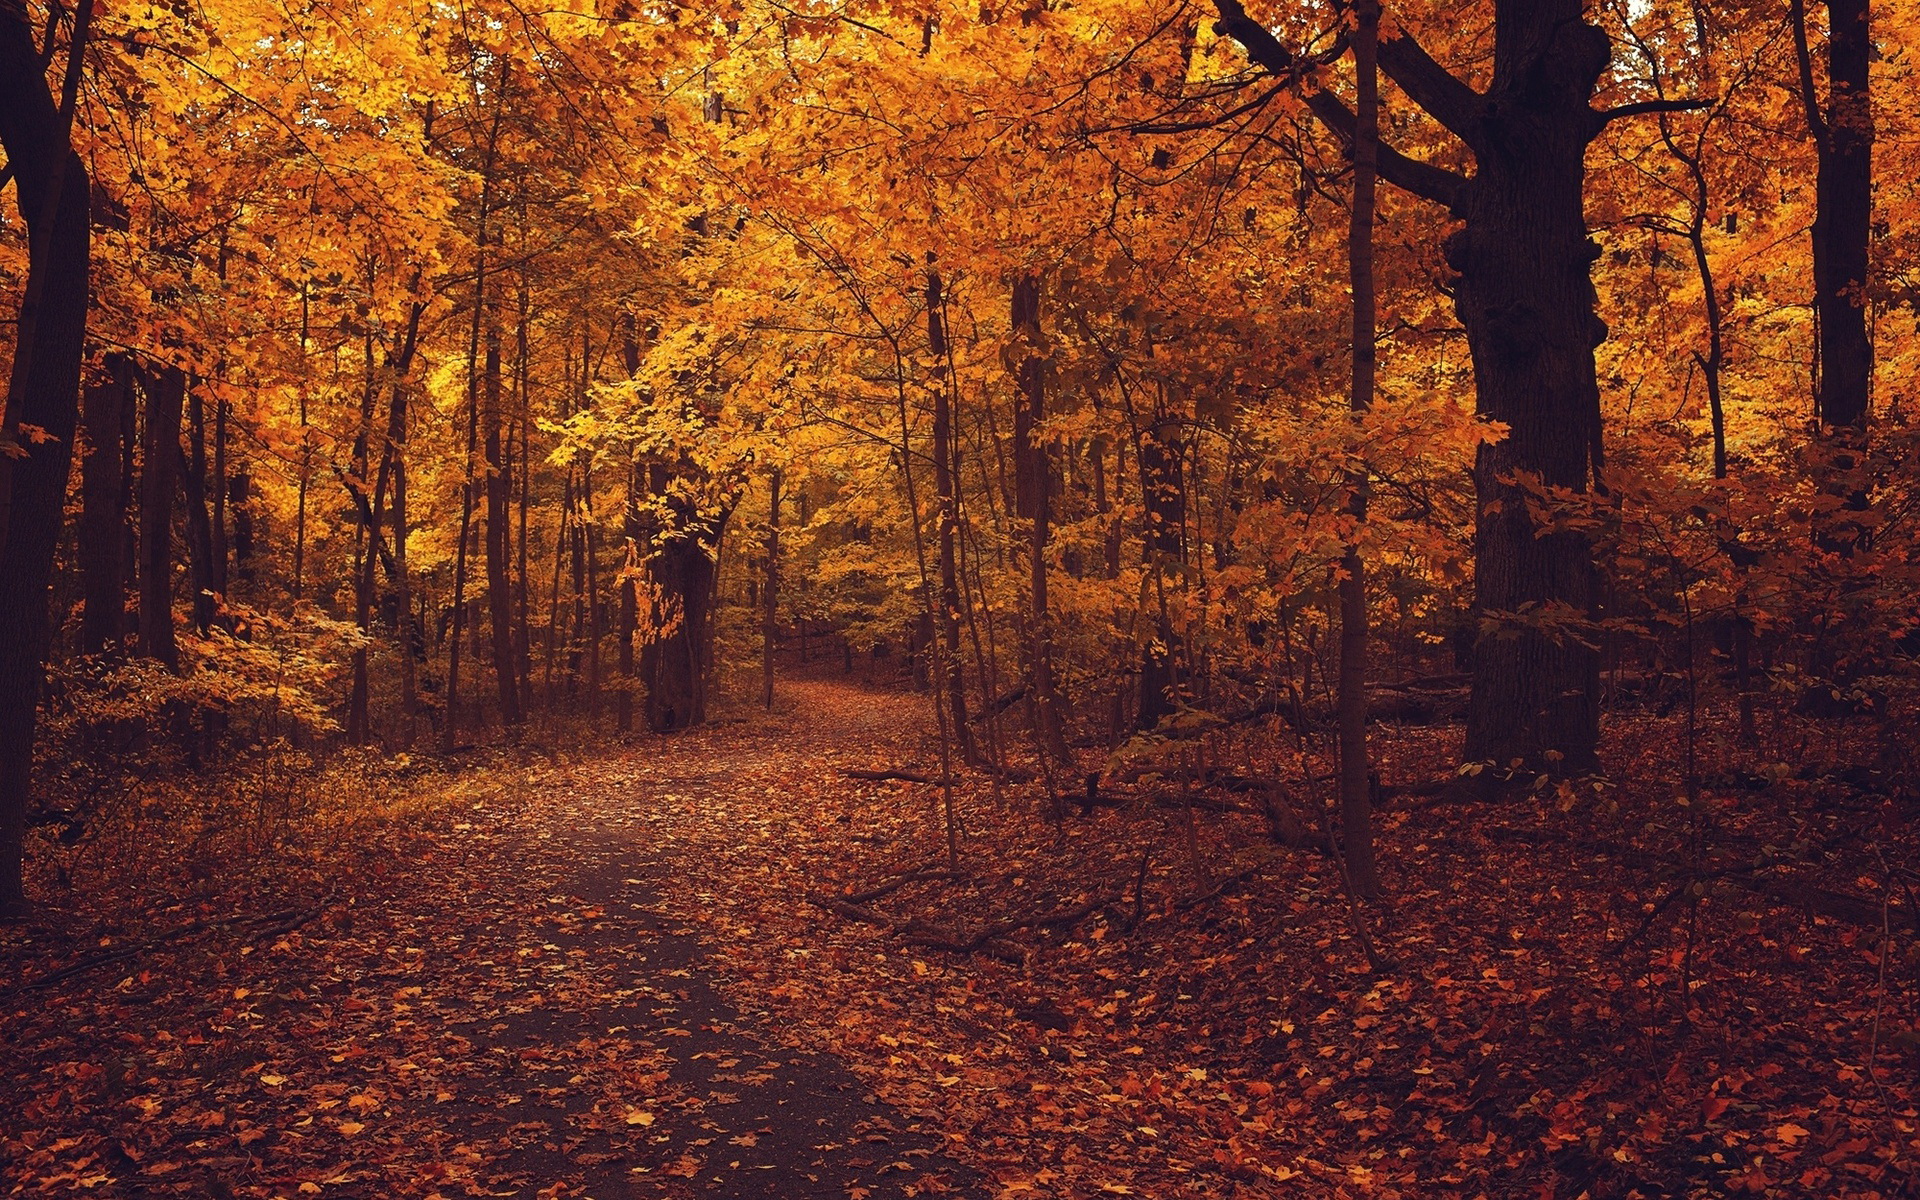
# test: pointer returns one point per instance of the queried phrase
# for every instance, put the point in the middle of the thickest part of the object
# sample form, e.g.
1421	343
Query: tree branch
1434	88
1423	179
1643	107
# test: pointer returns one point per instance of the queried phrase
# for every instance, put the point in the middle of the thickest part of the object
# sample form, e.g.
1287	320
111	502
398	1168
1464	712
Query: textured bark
103	515
1527	303
43	390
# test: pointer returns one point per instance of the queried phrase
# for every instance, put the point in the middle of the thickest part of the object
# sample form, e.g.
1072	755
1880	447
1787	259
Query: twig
288	920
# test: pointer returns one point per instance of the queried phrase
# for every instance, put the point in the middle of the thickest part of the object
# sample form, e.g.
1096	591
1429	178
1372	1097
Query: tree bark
199	524
947	619
1356	765
770	600
103	516
43	391
450	732
1526	300
166	390
1033	486
1843	207
1163	487
499	489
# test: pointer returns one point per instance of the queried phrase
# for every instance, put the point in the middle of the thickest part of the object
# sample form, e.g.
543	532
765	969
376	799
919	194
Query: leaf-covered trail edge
598	978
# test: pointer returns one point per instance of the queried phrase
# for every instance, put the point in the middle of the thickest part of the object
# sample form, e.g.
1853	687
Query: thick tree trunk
103	515
1033	484
1843	211
50	182
1527	302
677	661
499	570
166	392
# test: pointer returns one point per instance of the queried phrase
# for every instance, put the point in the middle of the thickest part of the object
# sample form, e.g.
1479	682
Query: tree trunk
103	516
1843	212
166	389
677	661
629	604
499	521
199	526
50	183
947	619
1033	480
1356	767
1163	488
217	542
450	732
769	599
1527	303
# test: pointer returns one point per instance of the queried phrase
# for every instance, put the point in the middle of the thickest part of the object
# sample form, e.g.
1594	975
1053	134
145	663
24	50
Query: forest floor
715	965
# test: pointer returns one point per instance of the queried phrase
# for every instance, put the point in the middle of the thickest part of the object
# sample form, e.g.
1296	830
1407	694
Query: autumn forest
1058	598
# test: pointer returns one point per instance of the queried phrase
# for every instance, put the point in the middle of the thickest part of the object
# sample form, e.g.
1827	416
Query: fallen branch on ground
287	920
893	775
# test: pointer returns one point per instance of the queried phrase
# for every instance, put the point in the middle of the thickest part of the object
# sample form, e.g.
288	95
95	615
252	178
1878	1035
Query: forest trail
532	1007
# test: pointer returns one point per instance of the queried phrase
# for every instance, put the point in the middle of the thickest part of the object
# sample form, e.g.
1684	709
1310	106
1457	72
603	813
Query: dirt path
528	1006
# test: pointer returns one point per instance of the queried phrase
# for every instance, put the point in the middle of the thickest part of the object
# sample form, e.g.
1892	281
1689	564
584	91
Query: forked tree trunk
1527	303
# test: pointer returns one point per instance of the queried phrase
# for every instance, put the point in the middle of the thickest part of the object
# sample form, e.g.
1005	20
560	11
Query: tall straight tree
1525	297
499	570
1033	474
1356	768
1843	205
165	388
43	390
449	733
947	616
103	514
